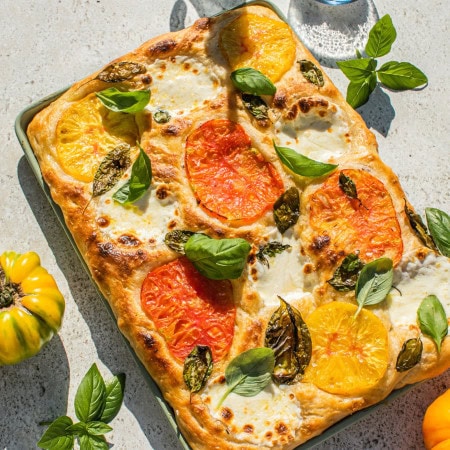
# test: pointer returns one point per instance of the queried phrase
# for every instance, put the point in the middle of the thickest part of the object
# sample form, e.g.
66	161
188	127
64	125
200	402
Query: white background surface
48	44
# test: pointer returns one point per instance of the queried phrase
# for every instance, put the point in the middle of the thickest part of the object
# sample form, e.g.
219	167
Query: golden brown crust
119	255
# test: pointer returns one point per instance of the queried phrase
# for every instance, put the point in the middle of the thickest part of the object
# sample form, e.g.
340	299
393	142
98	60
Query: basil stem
127	102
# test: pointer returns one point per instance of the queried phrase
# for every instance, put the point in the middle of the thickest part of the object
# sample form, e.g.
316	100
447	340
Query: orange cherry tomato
436	423
189	309
231	179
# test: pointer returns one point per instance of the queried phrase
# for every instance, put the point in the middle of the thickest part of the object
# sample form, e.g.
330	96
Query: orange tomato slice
436	423
189	309
231	180
346	225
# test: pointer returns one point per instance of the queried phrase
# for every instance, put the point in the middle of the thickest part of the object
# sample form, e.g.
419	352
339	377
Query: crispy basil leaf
288	336
115	388
374	282
124	101
217	259
346	275
161	116
381	37
358	70
249	373
433	320
348	186
401	76
358	92
311	72
111	169
256	106
271	249
252	81
286	209
139	182
410	355
419	227
301	165
57	436
121	71
198	366
177	239
439	225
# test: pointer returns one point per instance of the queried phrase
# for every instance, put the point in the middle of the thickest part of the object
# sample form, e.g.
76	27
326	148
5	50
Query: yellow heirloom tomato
436	423
31	306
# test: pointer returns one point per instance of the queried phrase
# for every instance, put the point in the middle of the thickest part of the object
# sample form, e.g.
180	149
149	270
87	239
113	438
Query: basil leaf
114	396
419	227
346	275
409	355
197	368
177	239
90	396
374	282
270	250
301	165
401	76
252	81
433	320
288	336
286	209
161	116
78	428
439	225
348	186
57	437
358	92
89	442
110	170
139	182
256	106
358	69
217	259
311	72
381	37
249	373
121	71
127	102
97	428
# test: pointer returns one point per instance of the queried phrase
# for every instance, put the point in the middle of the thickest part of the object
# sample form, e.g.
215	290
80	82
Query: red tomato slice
368	224
231	180
189	309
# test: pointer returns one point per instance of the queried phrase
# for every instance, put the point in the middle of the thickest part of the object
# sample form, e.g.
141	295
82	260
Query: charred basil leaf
270	250
346	275
252	81
197	368
124	101
433	319
256	106
161	116
288	336
348	186
419	227
311	72
121	71
176	239
439	225
409	355
111	169
286	209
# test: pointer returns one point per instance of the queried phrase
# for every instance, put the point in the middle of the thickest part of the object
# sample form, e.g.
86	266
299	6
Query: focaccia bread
236	274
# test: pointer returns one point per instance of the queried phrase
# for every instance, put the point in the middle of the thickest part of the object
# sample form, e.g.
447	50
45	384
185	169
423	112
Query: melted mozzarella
319	138
146	219
416	281
182	84
272	415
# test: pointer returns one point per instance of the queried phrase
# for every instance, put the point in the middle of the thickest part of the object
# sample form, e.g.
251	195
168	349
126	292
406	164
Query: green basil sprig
96	403
124	101
252	81
439	225
301	165
249	373
374	282
217	259
139	182
362	71
433	319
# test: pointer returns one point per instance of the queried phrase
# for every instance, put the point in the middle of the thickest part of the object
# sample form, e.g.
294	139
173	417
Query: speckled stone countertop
46	45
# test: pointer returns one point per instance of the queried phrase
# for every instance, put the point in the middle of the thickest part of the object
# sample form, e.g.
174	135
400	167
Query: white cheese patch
415	281
147	219
319	138
272	415
181	84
